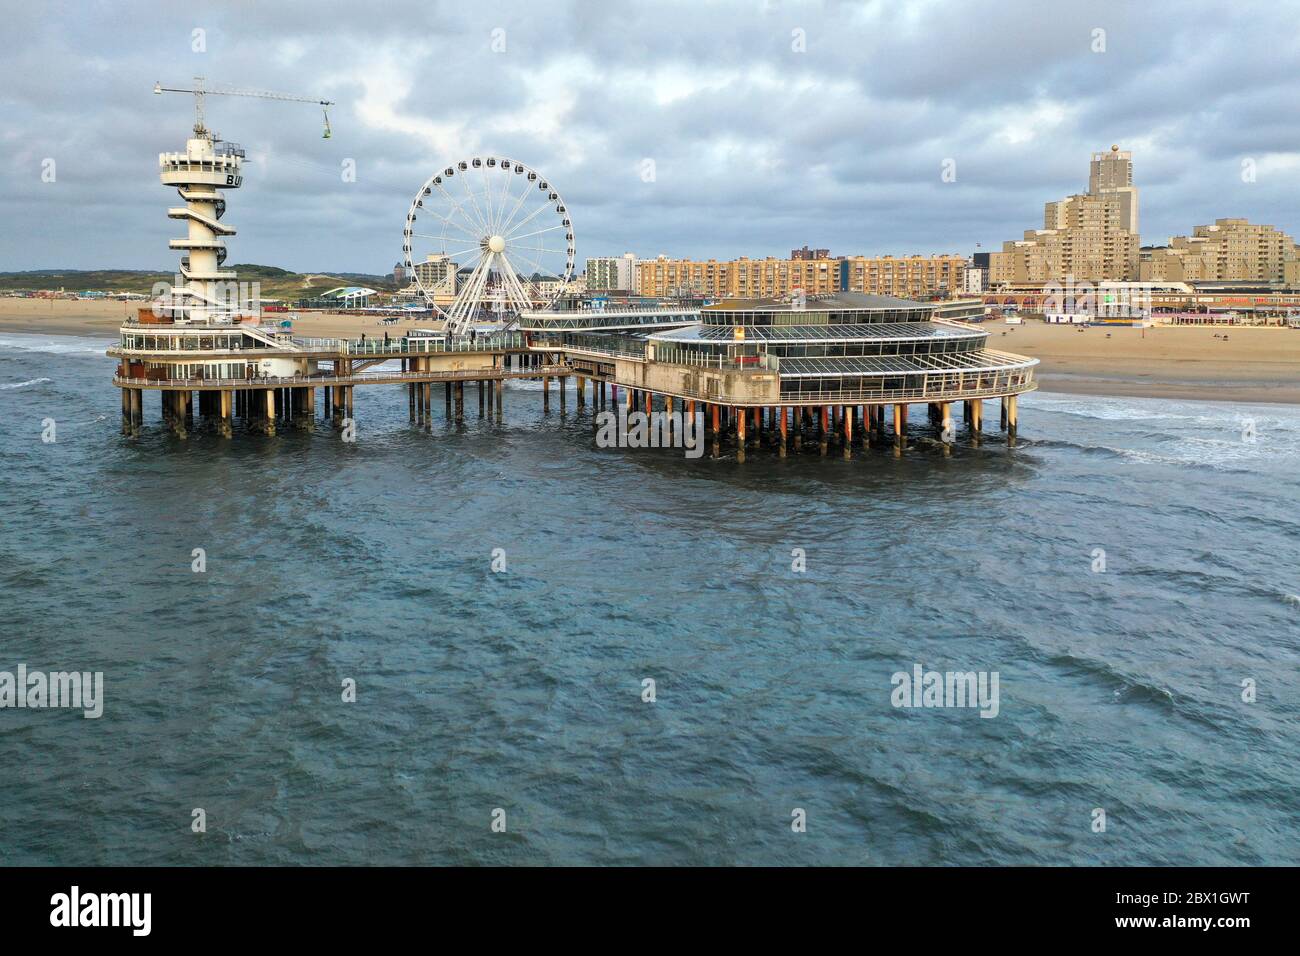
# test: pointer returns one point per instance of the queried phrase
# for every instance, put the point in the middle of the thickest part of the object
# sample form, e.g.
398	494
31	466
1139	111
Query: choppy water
1120	690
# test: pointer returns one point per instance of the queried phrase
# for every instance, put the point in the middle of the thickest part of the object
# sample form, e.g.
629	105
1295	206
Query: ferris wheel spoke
456	209
519	203
536	264
457	205
480	219
491	218
537	233
448	221
498	198
449	241
529	218
507	182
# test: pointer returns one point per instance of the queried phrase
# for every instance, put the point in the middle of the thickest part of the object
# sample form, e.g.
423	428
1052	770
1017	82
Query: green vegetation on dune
274	283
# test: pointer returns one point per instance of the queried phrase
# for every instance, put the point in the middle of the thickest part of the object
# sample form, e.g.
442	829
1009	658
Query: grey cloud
839	146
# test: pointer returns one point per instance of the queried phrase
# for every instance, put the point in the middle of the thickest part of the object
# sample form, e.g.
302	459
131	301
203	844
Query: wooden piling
740	434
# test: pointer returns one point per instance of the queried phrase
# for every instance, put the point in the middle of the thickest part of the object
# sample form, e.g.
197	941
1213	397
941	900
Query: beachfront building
808	271
611	274
1088	236
1228	250
663	277
908	277
437	273
341	299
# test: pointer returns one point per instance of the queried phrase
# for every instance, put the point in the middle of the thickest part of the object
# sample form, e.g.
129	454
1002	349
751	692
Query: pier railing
408	346
359	378
737	363
947	387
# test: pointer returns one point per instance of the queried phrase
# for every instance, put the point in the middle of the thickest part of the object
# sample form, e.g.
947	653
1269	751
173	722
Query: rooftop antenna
199	91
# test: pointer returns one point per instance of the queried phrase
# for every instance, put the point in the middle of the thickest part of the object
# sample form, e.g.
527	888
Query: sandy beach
1183	362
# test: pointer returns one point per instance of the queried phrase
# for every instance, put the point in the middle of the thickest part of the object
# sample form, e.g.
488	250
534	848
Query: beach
1177	362
1213	363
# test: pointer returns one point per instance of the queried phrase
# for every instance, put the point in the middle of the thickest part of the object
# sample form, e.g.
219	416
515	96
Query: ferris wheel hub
497	244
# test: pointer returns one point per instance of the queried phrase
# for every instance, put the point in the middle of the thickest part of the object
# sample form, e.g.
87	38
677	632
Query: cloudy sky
770	125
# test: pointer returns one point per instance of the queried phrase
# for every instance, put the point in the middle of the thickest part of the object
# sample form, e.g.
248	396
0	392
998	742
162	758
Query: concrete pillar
649	403
848	431
580	384
1012	417
900	426
460	402
225	423
945	422
1004	414
781	413
977	415
546	393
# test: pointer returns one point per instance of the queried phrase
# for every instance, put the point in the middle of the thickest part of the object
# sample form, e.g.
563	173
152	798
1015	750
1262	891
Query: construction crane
200	91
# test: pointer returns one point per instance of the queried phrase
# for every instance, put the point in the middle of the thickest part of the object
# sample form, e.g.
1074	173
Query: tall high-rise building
1088	236
1111	175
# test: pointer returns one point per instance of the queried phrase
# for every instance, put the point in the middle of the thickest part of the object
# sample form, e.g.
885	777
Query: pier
827	371
227	373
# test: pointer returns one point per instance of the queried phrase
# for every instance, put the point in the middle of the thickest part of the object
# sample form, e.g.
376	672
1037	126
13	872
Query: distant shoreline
1248	365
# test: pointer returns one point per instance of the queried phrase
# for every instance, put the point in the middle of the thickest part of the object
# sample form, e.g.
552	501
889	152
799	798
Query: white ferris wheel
488	235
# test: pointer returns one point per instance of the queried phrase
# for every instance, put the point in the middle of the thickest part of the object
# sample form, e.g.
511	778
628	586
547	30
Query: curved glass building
849	348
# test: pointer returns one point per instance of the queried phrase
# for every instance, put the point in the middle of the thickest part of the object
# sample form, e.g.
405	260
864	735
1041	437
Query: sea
501	644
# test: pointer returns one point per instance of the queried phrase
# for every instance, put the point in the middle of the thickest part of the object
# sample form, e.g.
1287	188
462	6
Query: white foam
1179	432
30	381
54	344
